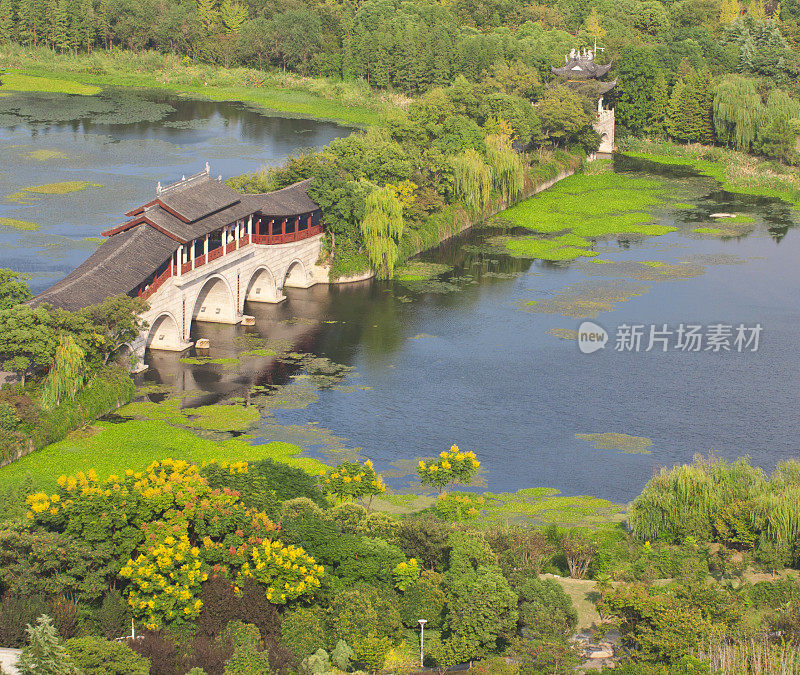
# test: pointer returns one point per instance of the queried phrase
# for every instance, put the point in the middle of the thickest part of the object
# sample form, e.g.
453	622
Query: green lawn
111	448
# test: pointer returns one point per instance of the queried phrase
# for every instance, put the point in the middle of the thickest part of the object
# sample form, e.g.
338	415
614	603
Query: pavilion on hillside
582	73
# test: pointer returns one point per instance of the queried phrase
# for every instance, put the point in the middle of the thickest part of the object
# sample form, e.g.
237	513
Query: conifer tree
657	122
675	111
6	20
27	22
45	655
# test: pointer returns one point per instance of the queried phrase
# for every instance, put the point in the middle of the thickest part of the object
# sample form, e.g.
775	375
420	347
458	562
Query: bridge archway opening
164	334
296	276
215	302
262	287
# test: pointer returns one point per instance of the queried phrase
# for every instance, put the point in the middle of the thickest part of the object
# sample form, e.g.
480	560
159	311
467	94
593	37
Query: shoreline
295	98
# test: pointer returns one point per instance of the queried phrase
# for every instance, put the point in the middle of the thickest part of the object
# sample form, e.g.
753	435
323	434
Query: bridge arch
262	286
296	276
215	302
164	334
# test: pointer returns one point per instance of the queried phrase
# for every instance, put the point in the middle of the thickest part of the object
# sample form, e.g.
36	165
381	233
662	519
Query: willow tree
472	181
508	173
66	375
382	228
738	111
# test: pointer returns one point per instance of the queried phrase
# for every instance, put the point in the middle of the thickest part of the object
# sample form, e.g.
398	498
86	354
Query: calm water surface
126	142
466	360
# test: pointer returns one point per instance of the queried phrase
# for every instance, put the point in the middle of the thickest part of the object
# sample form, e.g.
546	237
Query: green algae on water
29	194
417	270
630	445
44	155
587	299
595	205
563	333
19	224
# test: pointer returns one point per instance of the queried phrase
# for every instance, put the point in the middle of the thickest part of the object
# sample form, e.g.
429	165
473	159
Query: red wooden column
283	229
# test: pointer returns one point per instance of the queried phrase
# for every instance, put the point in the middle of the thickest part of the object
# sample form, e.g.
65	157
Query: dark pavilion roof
117	267
181	212
581	66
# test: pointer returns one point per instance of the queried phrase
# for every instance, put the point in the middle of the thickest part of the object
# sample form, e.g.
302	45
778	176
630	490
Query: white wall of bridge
216	292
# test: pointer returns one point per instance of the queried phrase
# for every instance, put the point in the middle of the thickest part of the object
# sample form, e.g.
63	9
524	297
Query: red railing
157	282
262	239
288	238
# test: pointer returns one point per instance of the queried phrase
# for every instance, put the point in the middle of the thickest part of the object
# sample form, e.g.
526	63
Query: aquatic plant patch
736	171
630	445
563	333
29	194
593	205
546	506
586	300
44	155
17	224
563	247
417	270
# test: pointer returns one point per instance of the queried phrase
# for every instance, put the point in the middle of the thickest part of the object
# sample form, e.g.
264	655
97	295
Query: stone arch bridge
198	252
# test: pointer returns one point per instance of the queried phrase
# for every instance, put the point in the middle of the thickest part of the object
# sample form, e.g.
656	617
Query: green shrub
113	616
98	656
16	612
774	594
544	607
304	630
424	599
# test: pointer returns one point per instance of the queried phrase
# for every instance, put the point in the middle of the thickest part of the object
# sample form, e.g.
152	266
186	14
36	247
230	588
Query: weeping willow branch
382	229
473	181
508	173
738	111
66	375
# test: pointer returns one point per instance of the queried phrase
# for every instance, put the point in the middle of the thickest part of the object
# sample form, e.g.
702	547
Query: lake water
466	359
126	142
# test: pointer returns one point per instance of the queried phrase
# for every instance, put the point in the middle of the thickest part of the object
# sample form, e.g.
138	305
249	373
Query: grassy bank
111	448
46	71
737	171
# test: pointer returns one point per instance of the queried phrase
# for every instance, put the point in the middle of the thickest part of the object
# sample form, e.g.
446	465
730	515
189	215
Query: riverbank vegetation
63	366
221	563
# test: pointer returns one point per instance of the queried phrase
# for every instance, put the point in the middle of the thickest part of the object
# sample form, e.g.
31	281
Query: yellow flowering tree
287	571
166	579
453	466
406	573
165	530
352	480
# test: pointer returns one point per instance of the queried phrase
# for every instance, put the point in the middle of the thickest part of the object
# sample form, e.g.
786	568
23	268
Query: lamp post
422	623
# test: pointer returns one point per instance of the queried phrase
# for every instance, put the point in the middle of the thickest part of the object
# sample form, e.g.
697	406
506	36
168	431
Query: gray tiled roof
199	198
117	267
131	255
